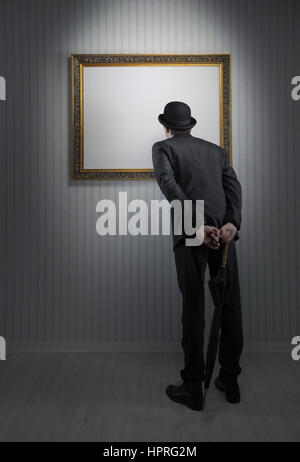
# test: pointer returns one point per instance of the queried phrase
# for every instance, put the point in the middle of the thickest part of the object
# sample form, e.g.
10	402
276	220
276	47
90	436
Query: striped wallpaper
60	281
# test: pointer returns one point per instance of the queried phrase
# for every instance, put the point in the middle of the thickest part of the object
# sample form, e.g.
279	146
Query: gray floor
120	397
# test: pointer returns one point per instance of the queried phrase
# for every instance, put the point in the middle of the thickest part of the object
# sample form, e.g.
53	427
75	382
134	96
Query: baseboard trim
127	347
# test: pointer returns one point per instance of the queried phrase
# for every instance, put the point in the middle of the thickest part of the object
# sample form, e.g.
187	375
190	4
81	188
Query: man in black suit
191	168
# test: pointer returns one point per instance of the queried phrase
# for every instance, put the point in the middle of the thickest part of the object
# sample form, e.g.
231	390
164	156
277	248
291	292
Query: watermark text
296	350
2	89
2	349
188	218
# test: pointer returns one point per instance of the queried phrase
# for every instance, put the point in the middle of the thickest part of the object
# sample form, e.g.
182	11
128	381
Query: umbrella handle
225	255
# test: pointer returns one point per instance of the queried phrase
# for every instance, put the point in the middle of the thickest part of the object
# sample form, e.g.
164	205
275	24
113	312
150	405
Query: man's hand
209	235
227	232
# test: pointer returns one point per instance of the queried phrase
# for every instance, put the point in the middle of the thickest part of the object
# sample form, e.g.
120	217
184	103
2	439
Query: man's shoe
188	393
230	387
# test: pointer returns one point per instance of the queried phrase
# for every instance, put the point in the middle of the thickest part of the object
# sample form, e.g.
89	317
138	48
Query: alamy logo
296	350
296	88
139	224
2	349
2	88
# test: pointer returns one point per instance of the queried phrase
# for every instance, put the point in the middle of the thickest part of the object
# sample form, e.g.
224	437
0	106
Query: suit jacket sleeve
166	179
233	192
164	174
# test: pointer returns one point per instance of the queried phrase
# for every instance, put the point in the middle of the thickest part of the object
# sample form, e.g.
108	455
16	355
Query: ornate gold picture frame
81	171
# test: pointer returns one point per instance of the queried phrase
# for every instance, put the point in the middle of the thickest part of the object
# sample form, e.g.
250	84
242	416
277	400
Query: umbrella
217	289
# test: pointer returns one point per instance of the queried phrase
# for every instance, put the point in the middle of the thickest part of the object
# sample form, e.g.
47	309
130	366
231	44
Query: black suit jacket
187	167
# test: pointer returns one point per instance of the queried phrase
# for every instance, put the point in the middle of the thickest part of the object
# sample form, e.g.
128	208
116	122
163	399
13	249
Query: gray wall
60	281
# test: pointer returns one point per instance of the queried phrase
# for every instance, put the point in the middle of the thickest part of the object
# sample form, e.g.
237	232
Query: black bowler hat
177	115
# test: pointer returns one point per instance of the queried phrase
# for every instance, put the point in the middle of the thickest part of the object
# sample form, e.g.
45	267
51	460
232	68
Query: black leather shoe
188	393
230	387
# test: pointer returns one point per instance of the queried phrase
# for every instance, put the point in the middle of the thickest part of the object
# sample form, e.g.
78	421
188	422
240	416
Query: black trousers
191	263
